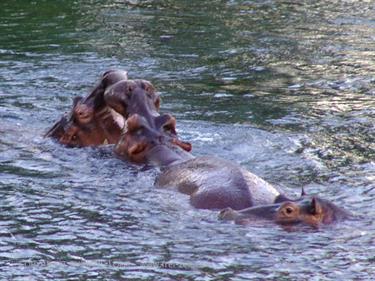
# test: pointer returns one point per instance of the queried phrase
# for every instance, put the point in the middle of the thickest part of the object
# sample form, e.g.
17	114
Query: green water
285	88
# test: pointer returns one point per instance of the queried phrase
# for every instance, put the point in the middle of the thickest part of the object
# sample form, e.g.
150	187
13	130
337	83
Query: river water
285	88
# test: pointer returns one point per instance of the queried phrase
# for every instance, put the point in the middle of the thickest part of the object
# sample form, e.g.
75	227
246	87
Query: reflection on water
284	88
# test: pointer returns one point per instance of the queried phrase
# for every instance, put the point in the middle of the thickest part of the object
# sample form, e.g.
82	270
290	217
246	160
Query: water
284	88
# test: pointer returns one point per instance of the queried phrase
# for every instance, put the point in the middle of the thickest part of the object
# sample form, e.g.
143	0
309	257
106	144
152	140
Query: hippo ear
76	100
316	206
303	193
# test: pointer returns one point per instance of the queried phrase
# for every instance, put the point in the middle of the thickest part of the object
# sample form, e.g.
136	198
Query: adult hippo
138	98
87	107
129	97
91	122
312	211
211	182
104	126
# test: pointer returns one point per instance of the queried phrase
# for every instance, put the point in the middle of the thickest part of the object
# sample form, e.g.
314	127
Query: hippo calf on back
312	211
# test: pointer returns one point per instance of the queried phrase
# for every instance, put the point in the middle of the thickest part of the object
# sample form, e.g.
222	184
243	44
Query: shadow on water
284	88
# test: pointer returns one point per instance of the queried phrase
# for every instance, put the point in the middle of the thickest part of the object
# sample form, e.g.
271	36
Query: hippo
103	127
129	97
308	210
92	122
85	110
138	98
211	182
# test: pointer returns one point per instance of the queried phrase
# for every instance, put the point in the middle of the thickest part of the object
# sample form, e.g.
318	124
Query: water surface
284	88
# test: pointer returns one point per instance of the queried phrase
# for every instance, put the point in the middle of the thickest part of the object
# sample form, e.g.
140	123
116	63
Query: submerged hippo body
215	183
211	182
312	211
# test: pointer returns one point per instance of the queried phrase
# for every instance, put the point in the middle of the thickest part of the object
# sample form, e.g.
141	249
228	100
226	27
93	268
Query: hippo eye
289	210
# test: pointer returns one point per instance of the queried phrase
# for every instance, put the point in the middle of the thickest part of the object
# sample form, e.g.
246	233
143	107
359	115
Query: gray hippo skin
211	182
307	210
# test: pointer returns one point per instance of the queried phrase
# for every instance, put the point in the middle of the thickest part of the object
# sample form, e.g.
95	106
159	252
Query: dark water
286	88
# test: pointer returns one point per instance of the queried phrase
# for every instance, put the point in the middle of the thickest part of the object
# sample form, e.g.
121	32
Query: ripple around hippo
151	138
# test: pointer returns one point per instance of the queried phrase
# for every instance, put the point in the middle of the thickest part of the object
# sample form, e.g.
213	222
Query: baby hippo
312	211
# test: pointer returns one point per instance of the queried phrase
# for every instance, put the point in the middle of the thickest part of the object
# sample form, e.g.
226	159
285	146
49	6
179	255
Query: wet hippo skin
138	98
92	122
102	127
211	182
307	210
129	97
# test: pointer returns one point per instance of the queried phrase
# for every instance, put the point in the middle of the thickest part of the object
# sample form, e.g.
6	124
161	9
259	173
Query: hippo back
215	183
261	191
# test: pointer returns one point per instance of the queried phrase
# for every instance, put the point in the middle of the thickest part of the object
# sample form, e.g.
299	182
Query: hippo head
145	143
129	97
83	126
60	127
113	76
312	211
96	98
92	122
77	136
88	125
